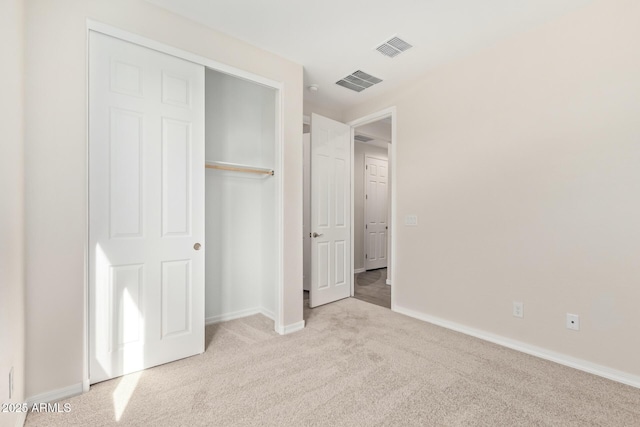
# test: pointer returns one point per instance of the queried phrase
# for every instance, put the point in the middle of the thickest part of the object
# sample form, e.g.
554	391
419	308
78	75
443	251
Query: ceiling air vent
362	138
393	47
358	81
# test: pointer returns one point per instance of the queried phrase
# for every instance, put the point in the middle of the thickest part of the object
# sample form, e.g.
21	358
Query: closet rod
238	168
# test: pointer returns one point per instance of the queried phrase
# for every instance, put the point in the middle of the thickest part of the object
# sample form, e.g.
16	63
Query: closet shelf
236	167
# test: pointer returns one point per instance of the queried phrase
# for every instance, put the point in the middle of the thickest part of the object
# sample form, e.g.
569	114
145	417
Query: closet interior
241	201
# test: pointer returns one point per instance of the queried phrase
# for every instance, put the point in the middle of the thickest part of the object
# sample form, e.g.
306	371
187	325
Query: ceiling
333	38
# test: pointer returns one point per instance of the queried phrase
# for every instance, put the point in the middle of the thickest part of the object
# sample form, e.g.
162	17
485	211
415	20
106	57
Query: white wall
12	196
56	166
310	107
361	150
522	164
240	208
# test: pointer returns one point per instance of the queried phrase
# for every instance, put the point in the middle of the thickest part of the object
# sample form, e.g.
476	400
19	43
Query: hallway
371	286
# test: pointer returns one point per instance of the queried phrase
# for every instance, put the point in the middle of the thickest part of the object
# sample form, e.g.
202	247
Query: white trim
289	329
266	313
394	211
278	318
21	419
279	166
373	156
352	190
55	395
179	53
388	282
86	381
387	112
374	117
358	270
543	353
237	315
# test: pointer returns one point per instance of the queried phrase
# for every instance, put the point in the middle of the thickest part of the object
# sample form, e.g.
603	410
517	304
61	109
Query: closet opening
241	198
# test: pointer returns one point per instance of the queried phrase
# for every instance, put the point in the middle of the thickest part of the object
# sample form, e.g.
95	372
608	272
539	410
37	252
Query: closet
241	264
184	203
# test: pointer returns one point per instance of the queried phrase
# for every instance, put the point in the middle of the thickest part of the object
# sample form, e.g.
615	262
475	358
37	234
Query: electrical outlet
518	309
11	383
411	220
573	322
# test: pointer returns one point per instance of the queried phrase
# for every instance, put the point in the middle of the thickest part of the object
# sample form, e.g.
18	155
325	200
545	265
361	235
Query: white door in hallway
331	272
375	212
146	208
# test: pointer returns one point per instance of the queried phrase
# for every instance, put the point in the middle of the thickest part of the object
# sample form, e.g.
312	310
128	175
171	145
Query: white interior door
375	212
146	208
330	211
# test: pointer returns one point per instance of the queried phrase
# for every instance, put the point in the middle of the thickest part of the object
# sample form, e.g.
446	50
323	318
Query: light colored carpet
356	364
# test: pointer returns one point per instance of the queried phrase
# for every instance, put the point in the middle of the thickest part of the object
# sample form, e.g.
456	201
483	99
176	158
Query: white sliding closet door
331	272
146	208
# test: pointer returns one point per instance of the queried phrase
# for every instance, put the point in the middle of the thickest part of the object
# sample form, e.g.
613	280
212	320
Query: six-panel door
376	208
331	272
146	208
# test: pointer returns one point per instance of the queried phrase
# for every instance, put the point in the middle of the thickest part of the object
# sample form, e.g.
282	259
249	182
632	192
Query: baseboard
231	316
55	395
21	419
289	329
267	313
238	315
543	353
388	282
359	270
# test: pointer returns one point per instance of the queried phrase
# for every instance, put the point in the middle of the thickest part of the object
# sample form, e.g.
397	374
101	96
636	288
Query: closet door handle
317	235
197	246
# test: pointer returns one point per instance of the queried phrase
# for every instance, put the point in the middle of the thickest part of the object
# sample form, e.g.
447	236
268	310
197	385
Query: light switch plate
411	220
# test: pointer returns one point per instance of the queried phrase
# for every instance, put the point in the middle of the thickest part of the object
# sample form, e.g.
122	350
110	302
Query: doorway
383	270
372	212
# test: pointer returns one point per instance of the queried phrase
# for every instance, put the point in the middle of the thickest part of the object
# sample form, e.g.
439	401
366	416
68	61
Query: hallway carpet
355	364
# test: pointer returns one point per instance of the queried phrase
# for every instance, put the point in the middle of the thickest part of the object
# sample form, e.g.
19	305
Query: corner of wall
310	107
12	292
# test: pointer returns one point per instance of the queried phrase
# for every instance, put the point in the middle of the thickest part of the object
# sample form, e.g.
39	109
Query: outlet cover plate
573	322
518	309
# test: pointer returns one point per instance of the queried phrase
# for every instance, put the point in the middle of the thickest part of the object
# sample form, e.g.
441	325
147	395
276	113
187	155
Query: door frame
366	204
99	27
391	263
